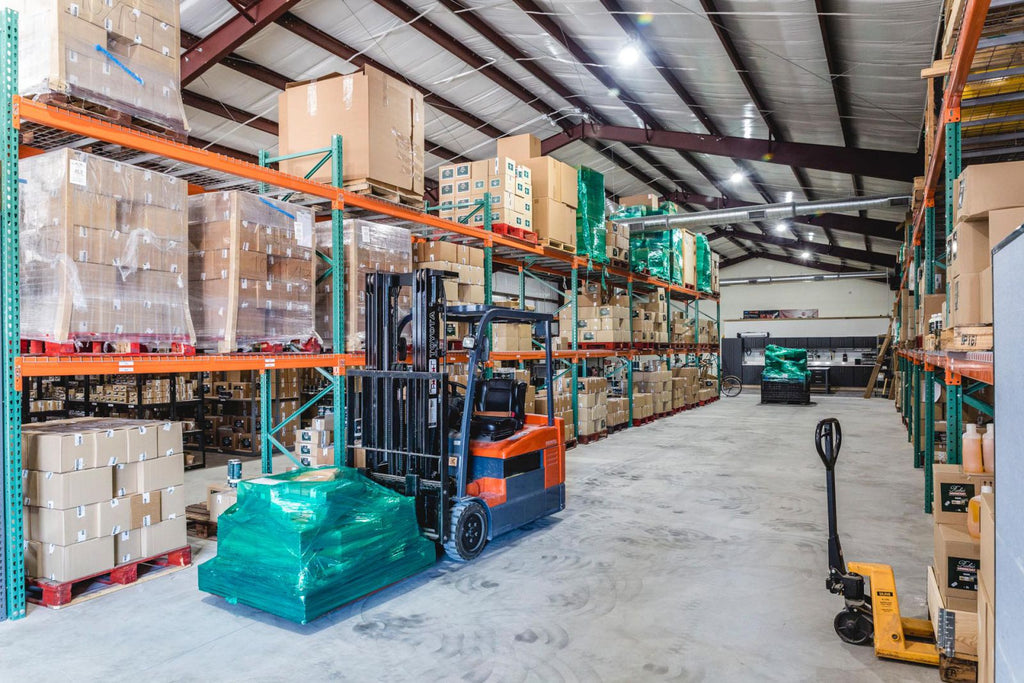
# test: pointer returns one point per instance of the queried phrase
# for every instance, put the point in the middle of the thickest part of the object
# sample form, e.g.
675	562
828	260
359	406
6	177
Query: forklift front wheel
854	627
468	531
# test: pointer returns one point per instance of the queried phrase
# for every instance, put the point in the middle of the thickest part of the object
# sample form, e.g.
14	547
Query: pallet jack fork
874	615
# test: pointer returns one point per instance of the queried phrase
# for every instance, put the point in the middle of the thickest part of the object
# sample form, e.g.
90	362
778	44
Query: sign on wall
781	314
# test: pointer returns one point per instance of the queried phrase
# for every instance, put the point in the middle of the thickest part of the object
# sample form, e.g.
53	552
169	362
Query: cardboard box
313	436
162	472
985	296
965	620
127	546
379	117
648	200
109	442
114	516
58	449
142	442
1001	223
957	563
125	479
965	299
554	220
219	499
70	562
169	438
982	188
62	527
952	491
158	539
519	147
145	509
967	249
64	490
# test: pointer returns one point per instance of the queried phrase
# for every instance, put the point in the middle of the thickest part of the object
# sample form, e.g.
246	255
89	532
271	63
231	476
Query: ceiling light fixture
806	255
736	177
629	55
782	227
789	197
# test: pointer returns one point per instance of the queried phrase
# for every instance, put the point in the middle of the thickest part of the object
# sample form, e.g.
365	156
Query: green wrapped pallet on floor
590	229
781	363
703	263
302	543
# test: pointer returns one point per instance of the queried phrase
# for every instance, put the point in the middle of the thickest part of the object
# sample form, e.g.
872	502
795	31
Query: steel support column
928	434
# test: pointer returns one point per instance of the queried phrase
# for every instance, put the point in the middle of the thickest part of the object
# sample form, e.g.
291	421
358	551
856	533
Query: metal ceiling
841	73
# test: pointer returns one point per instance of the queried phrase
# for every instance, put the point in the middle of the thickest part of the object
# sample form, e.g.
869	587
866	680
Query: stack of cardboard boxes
379	118
617	244
707	389
122	54
462	187
251	270
681	328
708	332
100	493
562	407
125	390
685	386
657	383
643	404
104	252
231	424
468	288
602	316
958	576
554	189
592	399
314	446
618	410
650	318
988	206
512	337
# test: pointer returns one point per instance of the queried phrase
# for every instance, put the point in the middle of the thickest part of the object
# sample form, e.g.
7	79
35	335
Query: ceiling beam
867	162
212	106
874	258
242	65
230	35
813	263
739	259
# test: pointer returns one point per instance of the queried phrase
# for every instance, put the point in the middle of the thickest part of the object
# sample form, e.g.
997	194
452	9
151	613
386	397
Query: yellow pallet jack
874	615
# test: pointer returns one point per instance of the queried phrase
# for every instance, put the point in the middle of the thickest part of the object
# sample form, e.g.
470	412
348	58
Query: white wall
845	307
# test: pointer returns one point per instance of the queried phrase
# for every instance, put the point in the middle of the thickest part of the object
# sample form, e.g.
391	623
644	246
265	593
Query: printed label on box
963	573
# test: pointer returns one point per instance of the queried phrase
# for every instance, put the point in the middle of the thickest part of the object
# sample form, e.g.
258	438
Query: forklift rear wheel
854	627
468	531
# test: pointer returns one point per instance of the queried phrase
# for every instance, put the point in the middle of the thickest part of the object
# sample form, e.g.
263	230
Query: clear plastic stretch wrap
103	252
122	54
251	270
676	256
302	543
369	247
590	226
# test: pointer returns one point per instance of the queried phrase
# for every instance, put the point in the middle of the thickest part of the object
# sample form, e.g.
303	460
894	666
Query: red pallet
506	230
58	594
37	347
617	428
591	438
603	346
571	443
642	421
658	416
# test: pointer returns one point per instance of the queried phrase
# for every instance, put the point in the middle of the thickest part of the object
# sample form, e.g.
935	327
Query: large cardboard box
62	527
553	220
982	188
1001	223
145	509
953	489
965	299
169	438
158	539
967	249
68	489
957	563
161	473
69	562
965	620
519	147
379	118
648	200
115	516
56	448
219	499
985	296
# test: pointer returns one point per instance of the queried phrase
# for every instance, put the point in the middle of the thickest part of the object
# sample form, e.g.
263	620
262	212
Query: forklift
871	614
476	462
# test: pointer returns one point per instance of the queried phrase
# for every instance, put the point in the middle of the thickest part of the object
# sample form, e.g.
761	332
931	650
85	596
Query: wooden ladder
869	390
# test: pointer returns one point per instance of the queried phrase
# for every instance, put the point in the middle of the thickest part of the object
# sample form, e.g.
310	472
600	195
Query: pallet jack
476	462
873	615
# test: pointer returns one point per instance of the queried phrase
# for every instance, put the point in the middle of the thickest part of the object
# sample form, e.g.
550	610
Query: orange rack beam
978	370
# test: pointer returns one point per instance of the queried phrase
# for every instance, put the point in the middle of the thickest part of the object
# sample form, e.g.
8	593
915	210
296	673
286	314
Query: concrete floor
691	549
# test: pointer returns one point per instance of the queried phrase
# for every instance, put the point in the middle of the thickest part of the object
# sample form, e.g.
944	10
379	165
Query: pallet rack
920	369
52	127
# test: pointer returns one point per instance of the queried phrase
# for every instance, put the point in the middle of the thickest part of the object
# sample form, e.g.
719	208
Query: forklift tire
854	627
468	531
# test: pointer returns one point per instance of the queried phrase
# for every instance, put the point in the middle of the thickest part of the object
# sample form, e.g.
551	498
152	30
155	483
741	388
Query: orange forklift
477	463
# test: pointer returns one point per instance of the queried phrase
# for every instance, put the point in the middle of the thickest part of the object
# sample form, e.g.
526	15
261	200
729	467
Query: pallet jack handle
828	439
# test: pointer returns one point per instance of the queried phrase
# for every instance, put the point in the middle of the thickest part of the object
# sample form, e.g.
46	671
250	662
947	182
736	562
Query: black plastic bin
786	391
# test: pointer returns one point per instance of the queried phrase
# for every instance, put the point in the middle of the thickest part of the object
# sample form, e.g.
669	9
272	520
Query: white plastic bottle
972	459
988	448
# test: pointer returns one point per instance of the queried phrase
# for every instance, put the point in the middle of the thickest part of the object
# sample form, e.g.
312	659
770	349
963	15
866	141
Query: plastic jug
972	459
988	448
974	513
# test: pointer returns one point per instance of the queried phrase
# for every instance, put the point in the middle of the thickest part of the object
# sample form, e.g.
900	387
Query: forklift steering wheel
457	385
828	439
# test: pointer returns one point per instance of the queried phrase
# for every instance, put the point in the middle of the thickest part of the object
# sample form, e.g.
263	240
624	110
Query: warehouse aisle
692	549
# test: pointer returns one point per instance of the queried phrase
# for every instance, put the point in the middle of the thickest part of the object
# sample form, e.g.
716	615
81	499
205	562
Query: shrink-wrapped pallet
103	252
121	54
251	270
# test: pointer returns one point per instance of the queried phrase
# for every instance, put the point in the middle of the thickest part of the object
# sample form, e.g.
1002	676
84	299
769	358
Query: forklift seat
499	409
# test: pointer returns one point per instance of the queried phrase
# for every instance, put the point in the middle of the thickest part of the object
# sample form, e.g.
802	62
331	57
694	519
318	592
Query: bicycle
731	386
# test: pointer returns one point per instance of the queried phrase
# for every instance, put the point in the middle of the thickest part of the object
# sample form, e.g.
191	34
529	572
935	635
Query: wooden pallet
591	438
385	191
638	421
967	338
617	428
197	521
571	443
557	245
619	263
106	113
520	234
57	594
